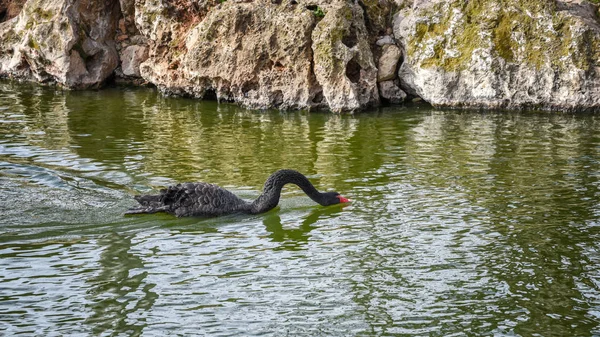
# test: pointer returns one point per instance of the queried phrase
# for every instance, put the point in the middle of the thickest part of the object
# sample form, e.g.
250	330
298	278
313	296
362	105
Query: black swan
204	199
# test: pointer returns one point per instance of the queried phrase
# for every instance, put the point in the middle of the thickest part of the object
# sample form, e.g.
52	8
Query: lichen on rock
509	54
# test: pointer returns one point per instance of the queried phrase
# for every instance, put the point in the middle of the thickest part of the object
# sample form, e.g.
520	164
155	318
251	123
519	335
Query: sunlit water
462	223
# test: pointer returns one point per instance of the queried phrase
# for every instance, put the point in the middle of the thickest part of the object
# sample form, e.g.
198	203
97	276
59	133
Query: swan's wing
201	199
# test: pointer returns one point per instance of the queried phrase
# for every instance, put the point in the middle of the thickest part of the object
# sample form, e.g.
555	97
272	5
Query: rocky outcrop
343	60
511	54
341	55
67	42
265	54
259	56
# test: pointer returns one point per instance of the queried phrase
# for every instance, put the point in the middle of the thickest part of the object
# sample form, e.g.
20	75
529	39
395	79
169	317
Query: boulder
391	92
512	54
259	56
388	62
131	58
65	42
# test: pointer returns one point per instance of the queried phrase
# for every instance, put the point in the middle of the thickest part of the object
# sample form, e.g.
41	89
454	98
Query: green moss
332	30
588	50
463	43
420	30
33	44
43	14
517	35
346	13
502	37
318	12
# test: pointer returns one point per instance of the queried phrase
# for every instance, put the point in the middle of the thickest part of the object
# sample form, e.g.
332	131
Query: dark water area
462	223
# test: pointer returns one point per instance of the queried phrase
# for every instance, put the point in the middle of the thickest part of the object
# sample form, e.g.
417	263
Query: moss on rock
506	53
526	32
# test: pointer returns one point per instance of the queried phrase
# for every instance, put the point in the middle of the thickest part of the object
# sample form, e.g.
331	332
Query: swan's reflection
295	238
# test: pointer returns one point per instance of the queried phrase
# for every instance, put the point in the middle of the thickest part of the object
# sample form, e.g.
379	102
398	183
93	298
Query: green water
462	223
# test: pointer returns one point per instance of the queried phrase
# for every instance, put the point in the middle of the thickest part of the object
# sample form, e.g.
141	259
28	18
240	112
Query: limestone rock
165	25
67	42
131	58
391	92
343	60
263	55
514	54
259	56
302	55
384	40
388	62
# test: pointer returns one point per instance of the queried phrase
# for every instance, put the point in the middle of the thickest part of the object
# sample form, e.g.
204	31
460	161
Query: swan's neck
272	190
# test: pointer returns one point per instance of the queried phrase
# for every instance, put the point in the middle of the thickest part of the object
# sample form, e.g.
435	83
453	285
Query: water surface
462	223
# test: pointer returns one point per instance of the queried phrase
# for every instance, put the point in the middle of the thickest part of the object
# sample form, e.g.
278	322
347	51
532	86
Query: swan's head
331	198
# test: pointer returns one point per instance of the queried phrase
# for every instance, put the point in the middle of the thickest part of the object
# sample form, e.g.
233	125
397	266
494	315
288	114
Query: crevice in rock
318	97
278	66
353	71
277	98
273	45
264	63
24	64
210	94
249	86
350	40
243	22
400	62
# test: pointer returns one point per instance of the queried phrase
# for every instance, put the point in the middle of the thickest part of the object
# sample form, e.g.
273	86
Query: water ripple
462	223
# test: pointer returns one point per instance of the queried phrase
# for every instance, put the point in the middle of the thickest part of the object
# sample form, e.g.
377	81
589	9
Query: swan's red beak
342	199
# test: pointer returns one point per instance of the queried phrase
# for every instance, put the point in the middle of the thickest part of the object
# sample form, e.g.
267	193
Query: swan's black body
203	199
